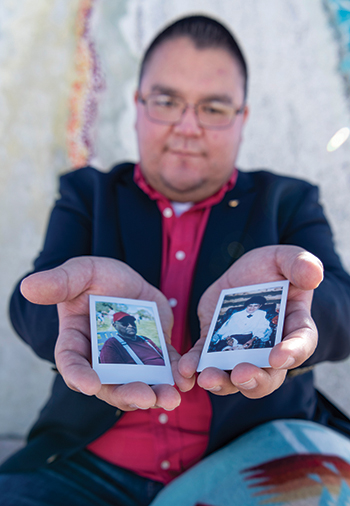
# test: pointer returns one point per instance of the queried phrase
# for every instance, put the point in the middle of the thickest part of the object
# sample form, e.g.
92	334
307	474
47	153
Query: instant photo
127	341
247	324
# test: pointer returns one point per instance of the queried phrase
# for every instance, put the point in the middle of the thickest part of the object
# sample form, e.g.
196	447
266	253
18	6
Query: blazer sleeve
68	235
305	225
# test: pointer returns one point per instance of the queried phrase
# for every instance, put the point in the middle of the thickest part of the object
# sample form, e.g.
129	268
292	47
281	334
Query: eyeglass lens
168	109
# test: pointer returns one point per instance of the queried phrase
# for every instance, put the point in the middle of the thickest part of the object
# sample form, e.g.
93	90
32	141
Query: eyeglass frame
143	101
125	324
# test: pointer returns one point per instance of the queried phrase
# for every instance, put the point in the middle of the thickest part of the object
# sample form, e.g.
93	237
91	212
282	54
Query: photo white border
227	360
115	374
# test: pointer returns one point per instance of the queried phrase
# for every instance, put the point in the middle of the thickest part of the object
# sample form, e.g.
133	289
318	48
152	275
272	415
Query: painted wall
66	97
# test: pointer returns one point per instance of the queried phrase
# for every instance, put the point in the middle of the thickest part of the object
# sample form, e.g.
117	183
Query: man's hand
249	343
271	263
69	286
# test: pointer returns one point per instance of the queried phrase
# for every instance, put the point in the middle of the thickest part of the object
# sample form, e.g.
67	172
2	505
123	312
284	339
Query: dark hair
205	33
256	299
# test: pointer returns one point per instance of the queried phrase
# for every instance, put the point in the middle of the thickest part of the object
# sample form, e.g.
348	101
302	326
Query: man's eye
166	102
215	109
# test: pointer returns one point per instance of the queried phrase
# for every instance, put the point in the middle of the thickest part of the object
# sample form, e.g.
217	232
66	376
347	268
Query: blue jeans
82	480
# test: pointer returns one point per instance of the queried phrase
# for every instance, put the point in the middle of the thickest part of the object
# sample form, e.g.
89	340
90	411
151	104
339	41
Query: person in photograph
163	229
245	327
228	344
126	347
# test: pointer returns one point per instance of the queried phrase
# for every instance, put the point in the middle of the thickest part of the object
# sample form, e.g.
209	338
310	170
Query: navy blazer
108	215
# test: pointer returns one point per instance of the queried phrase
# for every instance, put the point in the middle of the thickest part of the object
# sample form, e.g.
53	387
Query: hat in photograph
118	316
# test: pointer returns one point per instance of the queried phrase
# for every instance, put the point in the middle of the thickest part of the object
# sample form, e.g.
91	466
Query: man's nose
188	124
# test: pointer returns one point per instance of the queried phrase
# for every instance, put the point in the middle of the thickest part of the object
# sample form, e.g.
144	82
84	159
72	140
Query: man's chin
182	186
130	336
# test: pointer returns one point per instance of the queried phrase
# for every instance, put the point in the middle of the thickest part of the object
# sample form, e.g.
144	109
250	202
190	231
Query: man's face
126	327
251	308
186	162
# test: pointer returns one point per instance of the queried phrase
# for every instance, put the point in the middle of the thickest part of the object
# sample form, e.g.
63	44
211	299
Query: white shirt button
180	255
172	302
165	465
168	212
163	418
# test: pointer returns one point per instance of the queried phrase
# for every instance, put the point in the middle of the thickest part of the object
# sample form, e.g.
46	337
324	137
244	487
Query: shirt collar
153	194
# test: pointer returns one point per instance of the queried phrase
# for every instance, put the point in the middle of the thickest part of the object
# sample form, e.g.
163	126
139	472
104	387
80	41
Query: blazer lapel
141	230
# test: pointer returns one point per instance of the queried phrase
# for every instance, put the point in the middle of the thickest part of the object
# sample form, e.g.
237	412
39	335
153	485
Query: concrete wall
36	59
297	98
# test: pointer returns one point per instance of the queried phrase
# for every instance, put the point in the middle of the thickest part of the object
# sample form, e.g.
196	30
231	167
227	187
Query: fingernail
288	363
248	385
165	409
82	392
135	406
215	389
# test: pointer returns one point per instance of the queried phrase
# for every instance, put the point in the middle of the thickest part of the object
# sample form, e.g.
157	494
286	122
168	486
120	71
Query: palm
69	286
262	265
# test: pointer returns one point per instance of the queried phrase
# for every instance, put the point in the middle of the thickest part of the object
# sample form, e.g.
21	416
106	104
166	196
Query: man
191	109
247	326
125	347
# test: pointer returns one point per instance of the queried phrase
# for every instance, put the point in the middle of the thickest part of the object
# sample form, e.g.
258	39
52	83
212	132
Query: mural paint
86	88
339	16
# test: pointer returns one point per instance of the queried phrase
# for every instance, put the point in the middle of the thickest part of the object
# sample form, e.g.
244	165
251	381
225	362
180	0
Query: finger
167	396
128	397
248	379
303	269
254	382
188	363
216	381
272	263
73	357
299	334
295	349
138	395
62	283
74	280
83	274
183	383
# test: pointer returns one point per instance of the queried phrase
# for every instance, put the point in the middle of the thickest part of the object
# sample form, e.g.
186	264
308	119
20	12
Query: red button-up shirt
155	443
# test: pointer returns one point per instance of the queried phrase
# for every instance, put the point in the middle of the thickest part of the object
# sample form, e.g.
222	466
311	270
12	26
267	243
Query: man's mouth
183	152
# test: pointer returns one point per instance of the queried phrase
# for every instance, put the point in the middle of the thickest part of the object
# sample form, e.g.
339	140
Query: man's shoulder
261	313
148	341
91	174
110	337
87	184
145	339
262	178
237	314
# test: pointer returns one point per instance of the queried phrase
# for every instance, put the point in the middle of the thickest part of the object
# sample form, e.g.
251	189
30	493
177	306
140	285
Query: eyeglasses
169	110
126	324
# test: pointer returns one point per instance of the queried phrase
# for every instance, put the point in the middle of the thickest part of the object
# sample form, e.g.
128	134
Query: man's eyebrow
216	97
165	90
